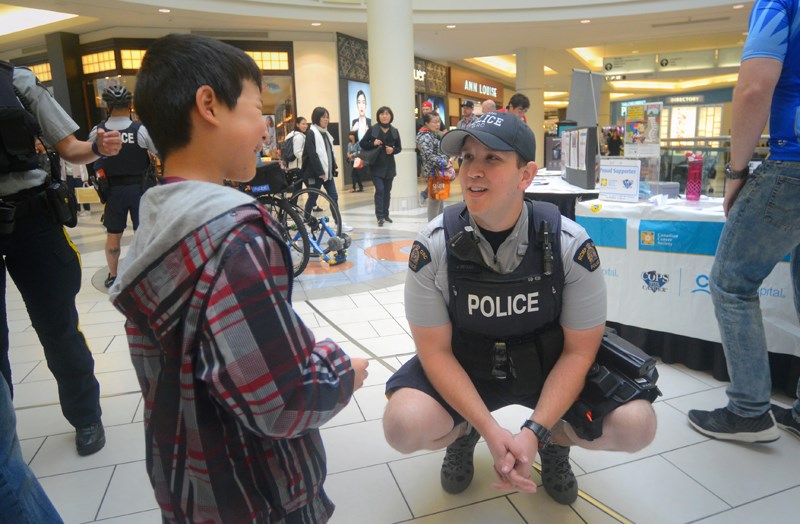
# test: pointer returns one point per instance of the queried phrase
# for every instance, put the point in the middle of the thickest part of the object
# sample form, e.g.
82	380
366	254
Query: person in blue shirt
763	225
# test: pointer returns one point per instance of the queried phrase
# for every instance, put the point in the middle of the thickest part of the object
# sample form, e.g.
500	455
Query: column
604	111
390	35
64	55
530	82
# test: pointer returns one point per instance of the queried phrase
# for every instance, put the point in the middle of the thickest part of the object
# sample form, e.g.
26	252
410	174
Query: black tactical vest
18	128
506	326
132	159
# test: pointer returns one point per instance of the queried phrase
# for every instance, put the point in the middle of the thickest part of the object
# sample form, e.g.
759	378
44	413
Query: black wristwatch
735	175
541	432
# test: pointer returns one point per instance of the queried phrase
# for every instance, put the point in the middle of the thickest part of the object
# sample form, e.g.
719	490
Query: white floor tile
372	401
339	316
358	330
22	371
725	468
25	353
48	420
776	509
28	394
369	496
652	491
706	400
496	511
118	344
378	373
350	414
673	433
390	345
98	344
77	496
118	382
387	327
57	455
102	317
323	332
129	491
30	447
675	383
145	517
107	329
362	300
419	480
539	507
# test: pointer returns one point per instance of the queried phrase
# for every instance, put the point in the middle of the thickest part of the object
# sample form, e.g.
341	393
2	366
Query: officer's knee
633	426
400	429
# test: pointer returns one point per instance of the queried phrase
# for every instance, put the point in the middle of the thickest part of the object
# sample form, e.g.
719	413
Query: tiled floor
681	477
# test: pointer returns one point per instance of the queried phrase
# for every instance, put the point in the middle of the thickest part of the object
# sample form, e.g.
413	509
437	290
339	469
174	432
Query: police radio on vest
493	306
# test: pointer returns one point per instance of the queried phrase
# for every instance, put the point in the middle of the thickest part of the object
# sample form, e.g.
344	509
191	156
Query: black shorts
122	200
585	416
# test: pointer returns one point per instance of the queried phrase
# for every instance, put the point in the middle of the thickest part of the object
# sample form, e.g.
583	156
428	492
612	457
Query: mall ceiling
618	28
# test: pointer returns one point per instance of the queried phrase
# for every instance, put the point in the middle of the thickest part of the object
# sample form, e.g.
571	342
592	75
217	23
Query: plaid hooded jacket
234	384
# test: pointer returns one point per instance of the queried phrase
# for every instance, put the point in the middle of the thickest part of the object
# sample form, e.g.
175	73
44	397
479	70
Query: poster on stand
643	130
582	149
619	179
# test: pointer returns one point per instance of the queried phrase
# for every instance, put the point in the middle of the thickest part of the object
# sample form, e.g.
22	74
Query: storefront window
709	122
277	96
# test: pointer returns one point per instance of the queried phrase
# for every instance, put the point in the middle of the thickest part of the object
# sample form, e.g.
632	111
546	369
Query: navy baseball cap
498	132
468	103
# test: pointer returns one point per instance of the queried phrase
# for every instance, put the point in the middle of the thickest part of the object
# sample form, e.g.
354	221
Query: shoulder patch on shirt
419	257
587	256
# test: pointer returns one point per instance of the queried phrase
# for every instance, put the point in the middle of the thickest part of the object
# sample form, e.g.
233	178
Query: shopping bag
438	187
358	163
87	195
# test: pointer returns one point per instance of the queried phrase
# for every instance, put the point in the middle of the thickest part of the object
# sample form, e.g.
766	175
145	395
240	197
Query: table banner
657	260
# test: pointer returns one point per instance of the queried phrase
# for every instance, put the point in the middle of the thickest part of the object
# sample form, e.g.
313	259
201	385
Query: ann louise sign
474	86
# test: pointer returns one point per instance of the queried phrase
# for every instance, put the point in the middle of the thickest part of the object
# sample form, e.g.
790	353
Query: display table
657	261
548	186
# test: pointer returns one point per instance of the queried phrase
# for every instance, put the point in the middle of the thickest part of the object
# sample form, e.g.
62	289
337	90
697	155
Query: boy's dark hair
317	114
427	117
298	120
384	109
173	69
519	100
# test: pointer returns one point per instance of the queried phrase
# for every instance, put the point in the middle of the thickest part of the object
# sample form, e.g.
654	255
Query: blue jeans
22	498
317	183
762	227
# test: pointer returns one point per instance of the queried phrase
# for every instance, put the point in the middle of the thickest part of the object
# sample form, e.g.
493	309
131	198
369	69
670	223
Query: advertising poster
358	105
582	149
271	143
573	146
619	179
643	130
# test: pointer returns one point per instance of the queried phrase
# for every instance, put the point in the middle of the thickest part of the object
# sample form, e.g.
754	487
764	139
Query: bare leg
630	427
113	241
414	421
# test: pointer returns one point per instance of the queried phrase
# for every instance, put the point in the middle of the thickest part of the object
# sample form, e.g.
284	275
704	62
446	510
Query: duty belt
28	202
125	180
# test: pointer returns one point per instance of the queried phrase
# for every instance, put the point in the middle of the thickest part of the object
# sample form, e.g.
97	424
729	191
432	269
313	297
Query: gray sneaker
725	425
457	469
785	420
557	476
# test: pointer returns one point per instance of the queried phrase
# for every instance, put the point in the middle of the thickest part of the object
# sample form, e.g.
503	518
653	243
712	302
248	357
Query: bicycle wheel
317	220
293	230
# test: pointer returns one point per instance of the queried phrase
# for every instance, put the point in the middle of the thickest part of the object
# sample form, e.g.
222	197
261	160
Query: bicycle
281	195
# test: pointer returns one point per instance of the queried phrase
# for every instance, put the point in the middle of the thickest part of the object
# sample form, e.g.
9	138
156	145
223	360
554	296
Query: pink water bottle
694	180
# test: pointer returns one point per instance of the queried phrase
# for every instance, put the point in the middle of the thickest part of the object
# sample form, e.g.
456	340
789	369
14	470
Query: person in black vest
125	172
43	263
507	305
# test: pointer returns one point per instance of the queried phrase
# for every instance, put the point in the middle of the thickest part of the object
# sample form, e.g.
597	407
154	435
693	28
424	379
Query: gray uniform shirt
56	125
426	291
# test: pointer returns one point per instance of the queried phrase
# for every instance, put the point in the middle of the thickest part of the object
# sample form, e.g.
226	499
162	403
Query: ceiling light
586	21
165	10
635	52
738	6
451	26
13	19
316	24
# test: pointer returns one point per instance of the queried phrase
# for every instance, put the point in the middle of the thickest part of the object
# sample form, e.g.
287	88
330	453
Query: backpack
287	149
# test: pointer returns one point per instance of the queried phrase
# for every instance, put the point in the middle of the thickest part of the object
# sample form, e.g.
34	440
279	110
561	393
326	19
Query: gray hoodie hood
167	214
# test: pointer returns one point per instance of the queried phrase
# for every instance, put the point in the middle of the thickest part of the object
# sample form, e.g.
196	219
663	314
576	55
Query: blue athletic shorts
122	200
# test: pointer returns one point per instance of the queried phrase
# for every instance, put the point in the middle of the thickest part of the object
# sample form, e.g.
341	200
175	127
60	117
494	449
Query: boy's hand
360	367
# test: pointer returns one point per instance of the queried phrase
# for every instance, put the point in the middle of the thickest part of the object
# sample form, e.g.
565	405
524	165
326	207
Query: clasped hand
513	458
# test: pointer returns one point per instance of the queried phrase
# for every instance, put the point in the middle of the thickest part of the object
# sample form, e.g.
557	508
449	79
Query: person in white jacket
298	138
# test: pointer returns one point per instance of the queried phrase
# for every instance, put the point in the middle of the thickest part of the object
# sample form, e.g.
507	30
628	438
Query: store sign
686	60
429	77
419	75
729	57
693	99
471	85
624	105
629	64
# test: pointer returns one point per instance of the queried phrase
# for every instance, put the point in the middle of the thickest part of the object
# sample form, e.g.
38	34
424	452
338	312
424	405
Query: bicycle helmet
117	96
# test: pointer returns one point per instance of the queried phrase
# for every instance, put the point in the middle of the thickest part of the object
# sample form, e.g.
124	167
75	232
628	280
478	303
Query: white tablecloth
656	260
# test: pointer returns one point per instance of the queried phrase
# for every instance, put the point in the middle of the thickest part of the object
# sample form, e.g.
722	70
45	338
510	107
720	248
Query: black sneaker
389	220
90	439
108	282
724	425
785	420
557	476
457	469
317	209
380	222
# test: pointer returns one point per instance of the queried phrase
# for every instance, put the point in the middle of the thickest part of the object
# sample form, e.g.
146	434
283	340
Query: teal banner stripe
691	238
605	232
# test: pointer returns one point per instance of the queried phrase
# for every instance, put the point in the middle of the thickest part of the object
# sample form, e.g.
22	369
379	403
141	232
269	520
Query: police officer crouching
122	178
507	305
35	247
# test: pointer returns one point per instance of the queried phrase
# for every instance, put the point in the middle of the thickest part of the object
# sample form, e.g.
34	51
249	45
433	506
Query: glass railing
715	152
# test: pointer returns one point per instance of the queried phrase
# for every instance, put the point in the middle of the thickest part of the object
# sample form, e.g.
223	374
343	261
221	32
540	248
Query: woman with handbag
435	164
382	142
353	149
